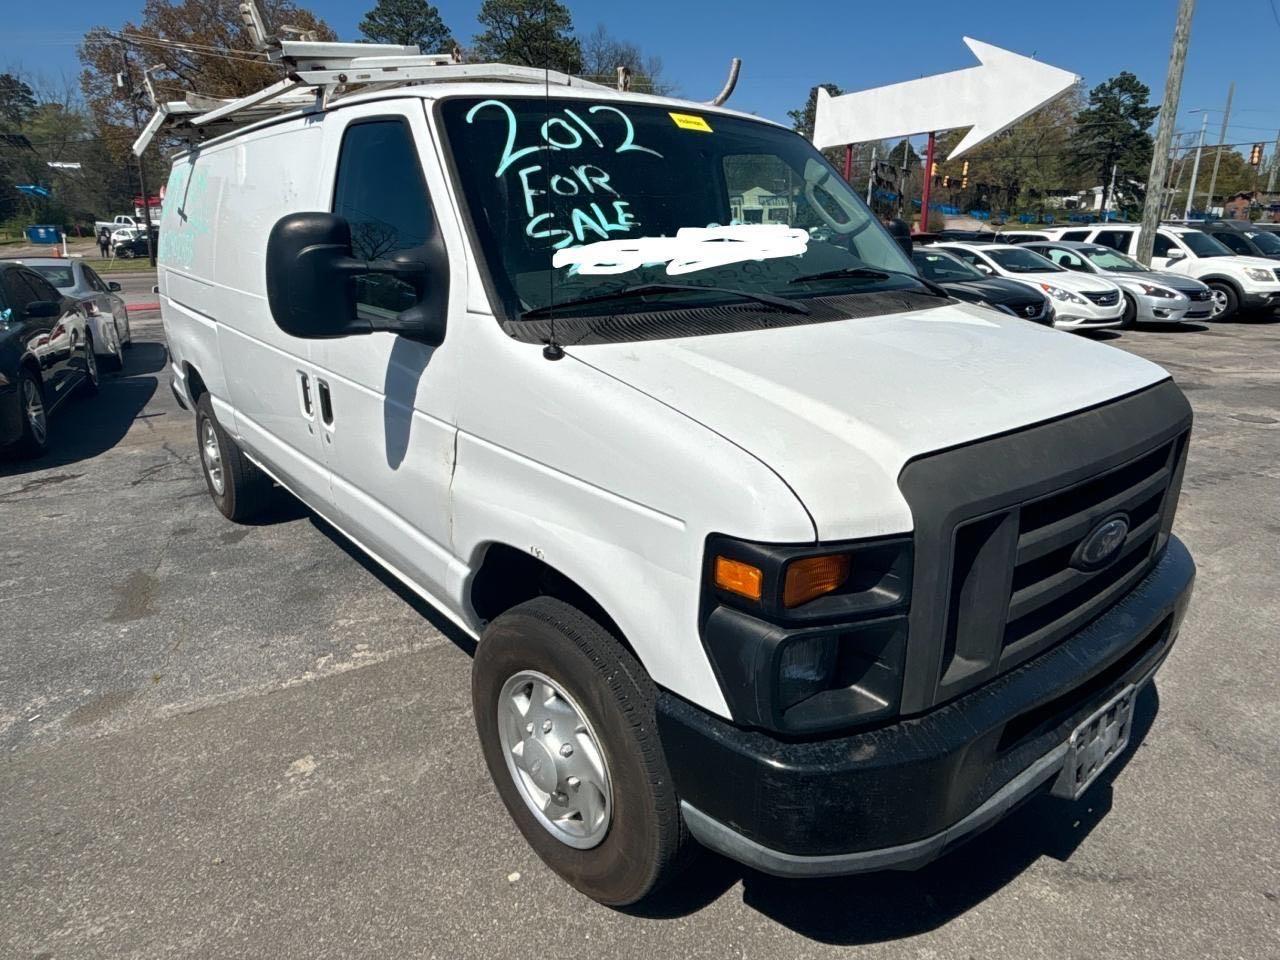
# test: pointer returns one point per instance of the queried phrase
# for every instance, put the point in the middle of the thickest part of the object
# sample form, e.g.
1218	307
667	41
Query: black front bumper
901	794
1260	301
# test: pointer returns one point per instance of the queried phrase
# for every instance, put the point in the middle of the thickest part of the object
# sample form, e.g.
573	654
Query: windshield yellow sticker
688	121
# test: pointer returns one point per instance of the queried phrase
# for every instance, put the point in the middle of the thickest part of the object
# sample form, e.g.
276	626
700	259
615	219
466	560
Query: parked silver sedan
108	316
1150	295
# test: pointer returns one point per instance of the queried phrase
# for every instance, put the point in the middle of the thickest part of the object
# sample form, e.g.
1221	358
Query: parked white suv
1238	283
763	538
1080	301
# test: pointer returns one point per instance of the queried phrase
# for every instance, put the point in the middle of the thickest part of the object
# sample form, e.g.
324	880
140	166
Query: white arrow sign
990	98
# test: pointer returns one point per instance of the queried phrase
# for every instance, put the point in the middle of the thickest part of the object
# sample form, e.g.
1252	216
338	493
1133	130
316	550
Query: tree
1016	168
221	60
17	100
603	54
802	120
535	33
1111	132
409	22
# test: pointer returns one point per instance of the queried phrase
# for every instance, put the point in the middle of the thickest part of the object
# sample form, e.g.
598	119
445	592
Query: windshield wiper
645	289
871	273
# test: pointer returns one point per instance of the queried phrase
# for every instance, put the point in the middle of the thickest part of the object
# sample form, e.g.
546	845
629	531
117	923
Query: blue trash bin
42	233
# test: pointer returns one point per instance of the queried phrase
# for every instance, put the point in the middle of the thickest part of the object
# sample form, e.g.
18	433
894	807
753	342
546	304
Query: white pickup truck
763	539
120	222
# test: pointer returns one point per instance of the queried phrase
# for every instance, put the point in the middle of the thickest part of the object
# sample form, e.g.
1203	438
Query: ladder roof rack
316	74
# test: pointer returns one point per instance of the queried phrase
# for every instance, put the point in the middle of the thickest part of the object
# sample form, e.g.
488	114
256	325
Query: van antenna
553	350
735	65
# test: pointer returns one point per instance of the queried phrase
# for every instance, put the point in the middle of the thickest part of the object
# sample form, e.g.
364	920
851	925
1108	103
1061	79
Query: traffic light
964	176
1255	155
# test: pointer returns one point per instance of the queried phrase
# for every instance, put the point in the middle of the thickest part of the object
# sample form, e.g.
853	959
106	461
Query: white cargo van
765	541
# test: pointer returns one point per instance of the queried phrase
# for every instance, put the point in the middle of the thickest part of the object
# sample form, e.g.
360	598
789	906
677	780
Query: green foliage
1112	131
16	101
412	22
535	33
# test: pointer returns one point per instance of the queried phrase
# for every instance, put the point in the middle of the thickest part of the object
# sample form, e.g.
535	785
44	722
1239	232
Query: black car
1241	237
46	355
137	246
965	283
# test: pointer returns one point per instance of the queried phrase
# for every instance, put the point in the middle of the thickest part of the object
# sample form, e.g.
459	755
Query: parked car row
46	355
1234	259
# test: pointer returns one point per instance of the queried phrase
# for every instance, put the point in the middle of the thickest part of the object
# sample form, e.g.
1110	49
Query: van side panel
234	194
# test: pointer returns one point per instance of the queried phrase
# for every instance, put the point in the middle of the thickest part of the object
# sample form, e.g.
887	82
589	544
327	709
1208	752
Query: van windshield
575	199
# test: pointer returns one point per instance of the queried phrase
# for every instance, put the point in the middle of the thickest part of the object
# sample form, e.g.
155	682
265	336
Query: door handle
326	403
304	394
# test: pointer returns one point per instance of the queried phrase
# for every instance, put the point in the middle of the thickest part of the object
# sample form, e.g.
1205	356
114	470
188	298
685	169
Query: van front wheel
566	717
239	489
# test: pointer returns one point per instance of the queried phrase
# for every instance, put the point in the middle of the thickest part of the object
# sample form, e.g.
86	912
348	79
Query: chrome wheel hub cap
211	456
33	406
555	760
1219	302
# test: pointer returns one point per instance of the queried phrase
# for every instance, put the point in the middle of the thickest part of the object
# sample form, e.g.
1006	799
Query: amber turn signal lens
814	576
738	577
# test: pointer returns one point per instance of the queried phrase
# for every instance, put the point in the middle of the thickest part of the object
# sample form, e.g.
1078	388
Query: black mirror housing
114	287
311	282
43	309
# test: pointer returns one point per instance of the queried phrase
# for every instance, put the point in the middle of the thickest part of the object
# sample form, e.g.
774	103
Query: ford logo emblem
1102	544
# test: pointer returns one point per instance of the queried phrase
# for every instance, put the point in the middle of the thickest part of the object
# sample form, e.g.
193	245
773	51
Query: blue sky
787	47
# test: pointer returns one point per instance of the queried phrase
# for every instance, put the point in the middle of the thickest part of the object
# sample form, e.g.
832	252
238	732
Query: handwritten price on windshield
568	131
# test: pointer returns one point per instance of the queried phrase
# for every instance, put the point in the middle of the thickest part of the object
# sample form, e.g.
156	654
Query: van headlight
1066	296
1258	274
1153	291
807	638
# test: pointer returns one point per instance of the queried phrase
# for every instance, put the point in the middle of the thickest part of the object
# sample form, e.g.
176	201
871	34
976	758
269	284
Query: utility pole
1111	192
142	176
1178	166
1195	168
1222	138
1164	130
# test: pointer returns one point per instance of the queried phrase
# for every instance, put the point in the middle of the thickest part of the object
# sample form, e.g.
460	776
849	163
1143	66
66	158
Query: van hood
838	409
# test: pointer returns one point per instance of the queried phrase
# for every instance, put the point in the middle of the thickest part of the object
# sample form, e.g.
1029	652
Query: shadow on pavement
84	427
1187	326
429	613
873	907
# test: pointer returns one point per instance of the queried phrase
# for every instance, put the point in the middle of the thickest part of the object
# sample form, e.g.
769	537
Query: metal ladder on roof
318	73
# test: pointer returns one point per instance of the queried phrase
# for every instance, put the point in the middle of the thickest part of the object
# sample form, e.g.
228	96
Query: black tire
29	444
113	363
1227	293
91	382
1130	315
646	843
246	490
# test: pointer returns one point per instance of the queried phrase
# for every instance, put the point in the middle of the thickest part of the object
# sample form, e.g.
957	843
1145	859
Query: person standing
104	244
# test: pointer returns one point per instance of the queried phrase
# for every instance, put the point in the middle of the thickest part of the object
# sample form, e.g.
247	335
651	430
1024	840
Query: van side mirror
311	282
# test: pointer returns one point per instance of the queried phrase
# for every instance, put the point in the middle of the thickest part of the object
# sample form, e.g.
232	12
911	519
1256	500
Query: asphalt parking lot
244	741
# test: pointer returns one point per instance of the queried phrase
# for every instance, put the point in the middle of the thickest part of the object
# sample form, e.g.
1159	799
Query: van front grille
1050	595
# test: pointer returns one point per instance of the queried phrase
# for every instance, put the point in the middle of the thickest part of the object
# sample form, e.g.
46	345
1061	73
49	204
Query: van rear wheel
566	718
239	489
